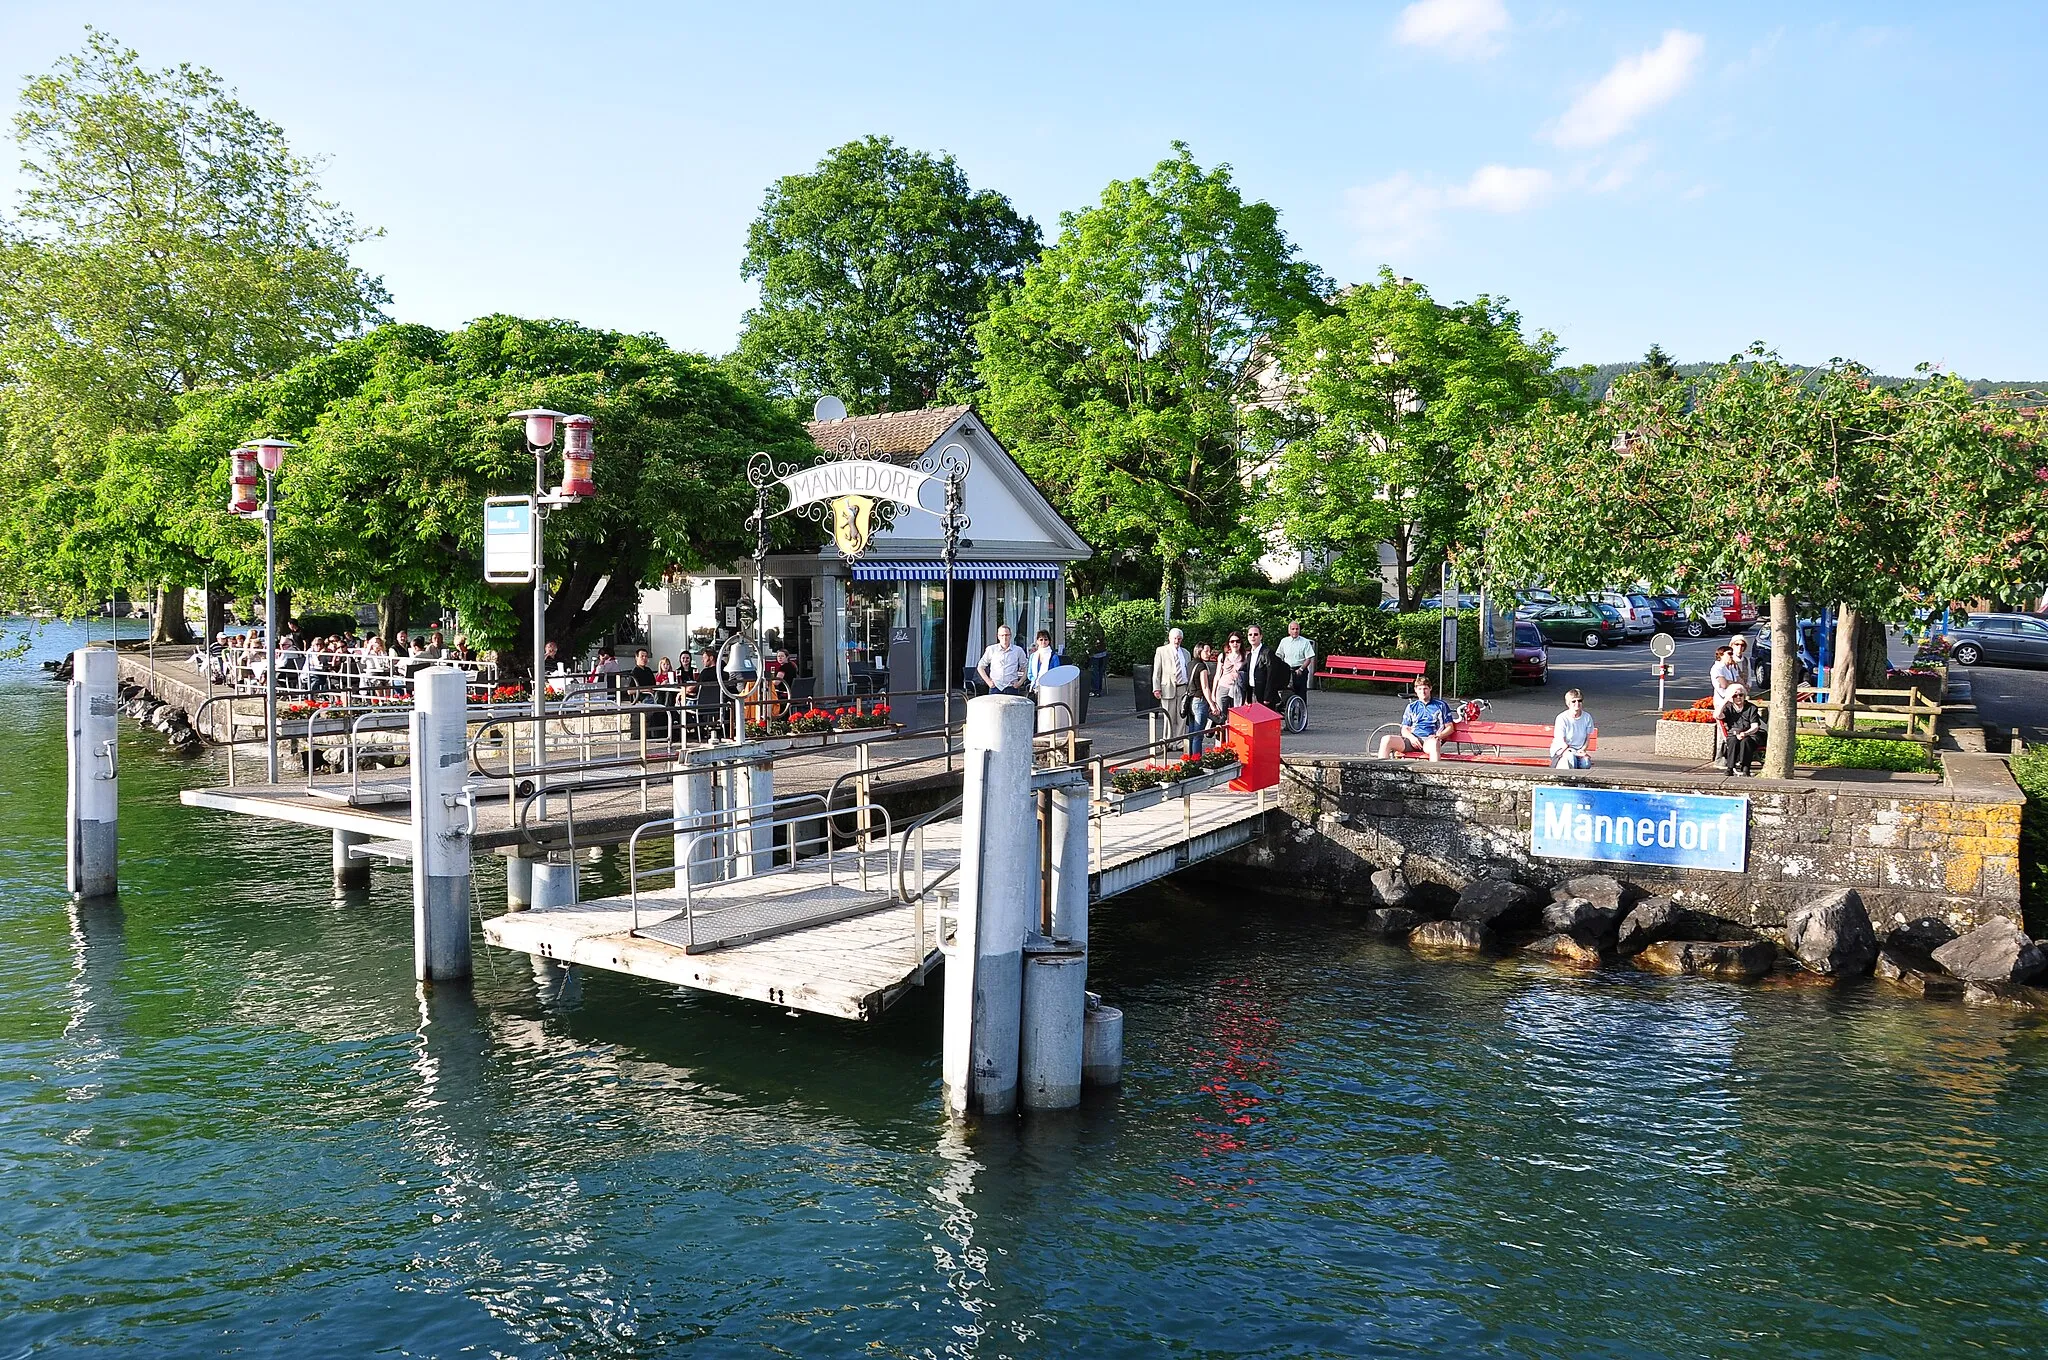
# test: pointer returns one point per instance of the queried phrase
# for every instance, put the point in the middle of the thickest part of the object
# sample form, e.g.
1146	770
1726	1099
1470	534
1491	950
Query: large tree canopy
403	432
1121	370
167	240
874	268
1379	402
1811	488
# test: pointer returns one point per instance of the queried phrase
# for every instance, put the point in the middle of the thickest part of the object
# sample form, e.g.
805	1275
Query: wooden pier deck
859	965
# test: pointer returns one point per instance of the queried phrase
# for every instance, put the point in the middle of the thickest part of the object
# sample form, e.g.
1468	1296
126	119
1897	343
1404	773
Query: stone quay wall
1912	849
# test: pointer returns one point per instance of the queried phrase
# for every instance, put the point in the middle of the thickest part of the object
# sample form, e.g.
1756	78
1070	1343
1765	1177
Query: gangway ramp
858	966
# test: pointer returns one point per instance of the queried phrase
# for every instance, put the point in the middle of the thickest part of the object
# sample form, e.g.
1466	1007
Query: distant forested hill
1592	381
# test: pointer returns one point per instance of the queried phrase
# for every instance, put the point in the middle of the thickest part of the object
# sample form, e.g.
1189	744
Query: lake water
230	1123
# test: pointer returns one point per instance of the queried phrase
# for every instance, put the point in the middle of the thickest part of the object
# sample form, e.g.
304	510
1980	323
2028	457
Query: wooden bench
1392	670
1498	737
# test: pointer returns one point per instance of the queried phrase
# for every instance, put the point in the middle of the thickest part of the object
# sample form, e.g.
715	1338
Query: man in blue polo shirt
1424	723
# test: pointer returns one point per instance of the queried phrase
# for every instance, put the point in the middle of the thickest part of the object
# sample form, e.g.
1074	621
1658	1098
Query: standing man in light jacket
1173	682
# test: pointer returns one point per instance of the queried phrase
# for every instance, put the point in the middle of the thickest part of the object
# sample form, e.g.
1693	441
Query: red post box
1255	736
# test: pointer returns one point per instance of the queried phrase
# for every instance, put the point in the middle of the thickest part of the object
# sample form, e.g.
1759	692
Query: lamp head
540	425
270	452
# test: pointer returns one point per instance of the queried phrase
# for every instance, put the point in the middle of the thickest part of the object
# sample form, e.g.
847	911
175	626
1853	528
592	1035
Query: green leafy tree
1810	486
874	269
1122	369
1380	400
167	240
403	432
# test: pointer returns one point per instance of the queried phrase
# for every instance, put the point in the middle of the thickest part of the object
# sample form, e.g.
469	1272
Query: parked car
1809	654
1999	640
1531	663
1674	616
1634	610
1588	623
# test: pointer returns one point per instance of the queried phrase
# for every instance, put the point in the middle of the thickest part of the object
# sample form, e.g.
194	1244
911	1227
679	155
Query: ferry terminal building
878	621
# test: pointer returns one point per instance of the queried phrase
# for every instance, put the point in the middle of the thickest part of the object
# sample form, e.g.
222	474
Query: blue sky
1854	179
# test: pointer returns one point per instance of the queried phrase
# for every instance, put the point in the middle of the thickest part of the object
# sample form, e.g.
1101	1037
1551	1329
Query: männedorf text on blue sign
1682	830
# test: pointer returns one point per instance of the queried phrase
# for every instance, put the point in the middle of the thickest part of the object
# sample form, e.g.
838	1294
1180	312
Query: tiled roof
896	432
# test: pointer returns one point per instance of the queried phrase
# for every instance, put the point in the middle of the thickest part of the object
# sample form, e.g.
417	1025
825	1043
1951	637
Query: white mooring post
998	891
92	801
349	870
442	816
696	796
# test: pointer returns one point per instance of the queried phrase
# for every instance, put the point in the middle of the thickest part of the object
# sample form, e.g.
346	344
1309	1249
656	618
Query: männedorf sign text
854	477
1682	830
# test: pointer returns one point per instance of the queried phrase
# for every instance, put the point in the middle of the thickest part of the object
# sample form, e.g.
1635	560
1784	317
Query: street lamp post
953	463
267	454
576	485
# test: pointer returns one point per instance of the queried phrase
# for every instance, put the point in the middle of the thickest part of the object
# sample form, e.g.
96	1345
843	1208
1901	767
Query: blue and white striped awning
962	571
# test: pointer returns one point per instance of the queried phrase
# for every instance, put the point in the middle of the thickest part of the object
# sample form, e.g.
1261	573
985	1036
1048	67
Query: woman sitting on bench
1424	724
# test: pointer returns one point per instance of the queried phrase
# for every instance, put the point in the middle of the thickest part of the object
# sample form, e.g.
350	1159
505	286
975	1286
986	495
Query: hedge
1132	629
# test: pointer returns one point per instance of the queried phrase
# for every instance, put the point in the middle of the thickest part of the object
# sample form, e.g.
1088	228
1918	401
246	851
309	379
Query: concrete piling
443	814
998	882
750	793
92	800
1050	1041
1102	1045
696	796
554	885
350	871
518	883
1070	863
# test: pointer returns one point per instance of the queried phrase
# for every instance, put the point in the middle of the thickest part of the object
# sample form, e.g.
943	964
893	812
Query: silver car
1999	640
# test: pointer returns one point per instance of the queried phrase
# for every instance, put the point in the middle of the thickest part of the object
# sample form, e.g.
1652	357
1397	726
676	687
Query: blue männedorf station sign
1683	830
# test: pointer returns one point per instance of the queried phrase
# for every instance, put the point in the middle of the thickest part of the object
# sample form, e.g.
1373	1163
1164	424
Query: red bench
1390	669
1497	737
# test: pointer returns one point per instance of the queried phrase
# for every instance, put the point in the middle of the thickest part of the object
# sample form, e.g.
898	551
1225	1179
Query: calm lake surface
230	1123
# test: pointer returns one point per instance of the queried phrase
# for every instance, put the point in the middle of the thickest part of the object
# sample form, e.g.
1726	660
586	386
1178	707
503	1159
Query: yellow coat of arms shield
852	522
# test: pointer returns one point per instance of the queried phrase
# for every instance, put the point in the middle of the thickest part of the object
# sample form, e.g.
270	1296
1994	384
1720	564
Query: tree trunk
390	615
1844	674
167	622
1401	600
217	602
1782	744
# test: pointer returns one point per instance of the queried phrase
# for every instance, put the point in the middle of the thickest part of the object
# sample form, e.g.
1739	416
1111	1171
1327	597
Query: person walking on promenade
1742	732
1202	698
1423	724
1002	664
1571	736
1263	673
1173	674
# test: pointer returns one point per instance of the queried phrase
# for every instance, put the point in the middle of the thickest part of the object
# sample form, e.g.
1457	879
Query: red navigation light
577	452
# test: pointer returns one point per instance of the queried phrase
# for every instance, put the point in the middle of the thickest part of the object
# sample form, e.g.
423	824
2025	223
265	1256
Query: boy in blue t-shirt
1424	724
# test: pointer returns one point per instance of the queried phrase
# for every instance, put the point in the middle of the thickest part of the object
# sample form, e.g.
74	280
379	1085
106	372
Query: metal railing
797	910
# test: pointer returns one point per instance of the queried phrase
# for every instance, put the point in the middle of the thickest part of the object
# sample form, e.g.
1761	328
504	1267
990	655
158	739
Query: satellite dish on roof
828	408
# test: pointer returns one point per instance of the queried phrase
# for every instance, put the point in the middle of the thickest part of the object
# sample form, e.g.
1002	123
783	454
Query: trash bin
1141	689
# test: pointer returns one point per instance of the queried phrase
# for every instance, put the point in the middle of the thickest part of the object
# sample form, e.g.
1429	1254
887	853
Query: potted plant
1688	733
858	719
1136	786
